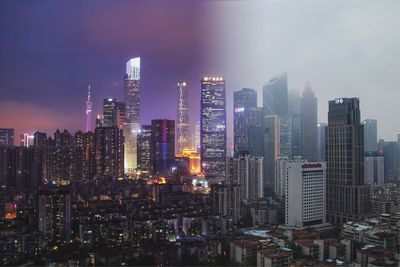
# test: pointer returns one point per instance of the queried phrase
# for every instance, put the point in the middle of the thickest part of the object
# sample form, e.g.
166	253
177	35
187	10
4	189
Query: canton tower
88	112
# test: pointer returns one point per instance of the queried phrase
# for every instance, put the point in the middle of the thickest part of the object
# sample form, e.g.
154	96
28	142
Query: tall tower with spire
182	119
88	112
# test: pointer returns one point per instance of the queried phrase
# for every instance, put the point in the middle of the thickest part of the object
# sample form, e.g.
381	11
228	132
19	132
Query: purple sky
50	51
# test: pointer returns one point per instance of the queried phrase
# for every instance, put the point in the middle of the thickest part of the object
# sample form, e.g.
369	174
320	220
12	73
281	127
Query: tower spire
88	98
88	112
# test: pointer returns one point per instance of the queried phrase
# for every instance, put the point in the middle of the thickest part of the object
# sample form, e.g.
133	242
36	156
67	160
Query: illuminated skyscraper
213	127
132	90
309	124
110	112
144	151
131	126
162	146
182	119
88	112
348	198
197	139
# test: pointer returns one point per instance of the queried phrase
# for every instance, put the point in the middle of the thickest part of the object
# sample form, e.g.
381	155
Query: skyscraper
213	127
182	119
21	167
6	137
110	112
131	126
275	96
132	90
294	100
55	214
162	146
247	171
247	122
88	112
348	198
374	169
309	121
321	141
144	151
370	135
271	150
197	139
109	152
275	101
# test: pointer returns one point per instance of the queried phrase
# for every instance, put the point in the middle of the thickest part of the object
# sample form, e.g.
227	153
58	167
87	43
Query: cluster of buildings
127	193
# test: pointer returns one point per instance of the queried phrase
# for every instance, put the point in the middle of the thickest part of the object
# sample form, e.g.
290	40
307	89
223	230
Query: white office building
305	193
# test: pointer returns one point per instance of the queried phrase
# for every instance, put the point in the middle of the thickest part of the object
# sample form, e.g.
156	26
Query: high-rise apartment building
21	167
247	171
131	125
225	200
109	145
247	123
55	214
305	185
6	137
370	135
162	146
213	127
348	198
182	119
309	122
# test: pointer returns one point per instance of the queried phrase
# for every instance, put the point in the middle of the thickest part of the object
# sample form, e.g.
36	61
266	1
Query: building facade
182	119
162	146
305	185
109	145
348	198
6	137
131	126
309	128
370	135
213	127
247	123
247	171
